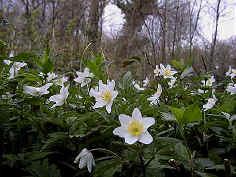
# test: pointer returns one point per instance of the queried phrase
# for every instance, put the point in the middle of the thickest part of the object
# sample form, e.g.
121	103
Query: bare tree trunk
175	29
43	10
212	52
1	4
164	21
93	24
192	33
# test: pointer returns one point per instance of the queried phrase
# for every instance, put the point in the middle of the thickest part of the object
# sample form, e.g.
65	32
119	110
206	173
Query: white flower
229	71
231	88
15	68
210	102
157	71
60	99
84	77
104	94
51	76
78	96
41	74
233	73
229	117
7	62
155	98
8	95
200	91
146	82
37	91
167	72
85	158
61	81
137	86
172	82
209	81
134	128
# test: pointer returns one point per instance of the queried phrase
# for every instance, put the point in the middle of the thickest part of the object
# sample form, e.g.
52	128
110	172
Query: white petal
55	98
98	104
147	122
124	120
89	165
94	93
131	139
101	85
146	138
137	114
111	84
162	67
108	107
121	132
82	162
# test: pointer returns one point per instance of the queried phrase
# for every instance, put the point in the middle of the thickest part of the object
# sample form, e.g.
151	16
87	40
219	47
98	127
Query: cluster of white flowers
155	97
209	81
15	68
210	102
84	78
167	73
59	99
231	88
137	84
231	72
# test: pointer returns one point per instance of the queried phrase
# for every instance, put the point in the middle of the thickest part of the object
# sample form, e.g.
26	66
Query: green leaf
177	64
45	169
178	114
107	168
99	60
192	114
203	163
182	151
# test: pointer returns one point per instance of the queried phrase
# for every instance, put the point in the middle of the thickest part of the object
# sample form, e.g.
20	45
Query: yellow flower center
156	71
135	128
106	96
211	100
158	90
209	81
59	81
167	73
234	72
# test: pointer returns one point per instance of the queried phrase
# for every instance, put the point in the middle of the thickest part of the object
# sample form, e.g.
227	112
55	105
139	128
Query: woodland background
154	31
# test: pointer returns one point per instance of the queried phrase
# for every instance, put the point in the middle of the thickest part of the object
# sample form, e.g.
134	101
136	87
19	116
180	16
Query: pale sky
113	21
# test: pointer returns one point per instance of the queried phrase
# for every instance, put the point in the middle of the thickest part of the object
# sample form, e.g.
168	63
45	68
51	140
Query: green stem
140	153
105	150
188	149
